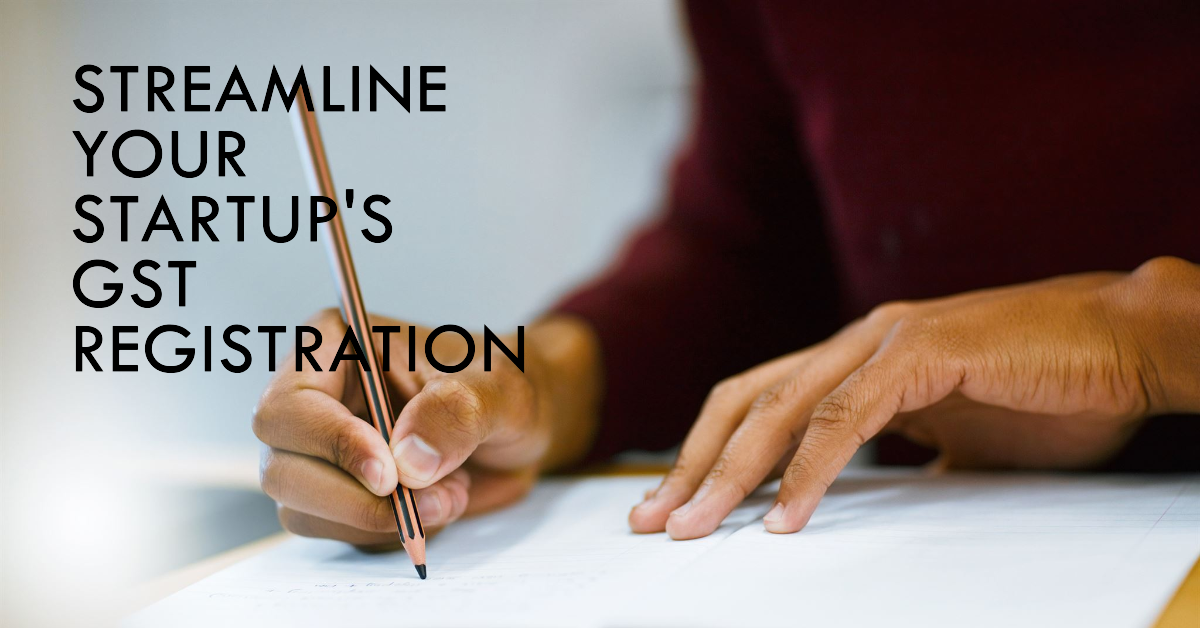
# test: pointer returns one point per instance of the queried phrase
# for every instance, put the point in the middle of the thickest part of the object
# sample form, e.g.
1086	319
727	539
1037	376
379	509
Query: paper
882	549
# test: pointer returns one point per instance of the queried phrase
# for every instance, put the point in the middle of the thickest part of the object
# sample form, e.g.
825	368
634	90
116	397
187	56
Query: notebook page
956	550
563	556
883	548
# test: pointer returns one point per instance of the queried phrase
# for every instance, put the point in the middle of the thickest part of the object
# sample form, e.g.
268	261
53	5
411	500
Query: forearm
1161	301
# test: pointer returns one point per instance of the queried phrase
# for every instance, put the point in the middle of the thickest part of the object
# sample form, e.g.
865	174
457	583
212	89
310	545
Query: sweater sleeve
737	268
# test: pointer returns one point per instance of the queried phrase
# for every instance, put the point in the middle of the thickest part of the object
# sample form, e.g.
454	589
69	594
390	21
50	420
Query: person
1001	199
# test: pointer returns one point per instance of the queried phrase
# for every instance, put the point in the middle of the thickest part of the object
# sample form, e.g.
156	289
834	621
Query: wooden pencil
379	406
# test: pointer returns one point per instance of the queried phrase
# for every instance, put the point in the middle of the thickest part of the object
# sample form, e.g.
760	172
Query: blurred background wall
560	119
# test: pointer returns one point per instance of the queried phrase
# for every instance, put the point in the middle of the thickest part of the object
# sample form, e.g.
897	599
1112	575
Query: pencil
379	406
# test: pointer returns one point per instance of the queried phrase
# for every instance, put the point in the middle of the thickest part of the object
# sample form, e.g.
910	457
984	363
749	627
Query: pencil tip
421	571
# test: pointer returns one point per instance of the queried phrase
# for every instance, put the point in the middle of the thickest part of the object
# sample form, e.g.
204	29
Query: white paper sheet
882	549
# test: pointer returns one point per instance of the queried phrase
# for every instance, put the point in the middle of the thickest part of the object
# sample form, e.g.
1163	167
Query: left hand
1053	374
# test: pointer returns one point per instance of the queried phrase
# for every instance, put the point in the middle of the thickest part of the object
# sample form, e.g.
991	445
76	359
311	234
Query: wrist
564	368
1161	299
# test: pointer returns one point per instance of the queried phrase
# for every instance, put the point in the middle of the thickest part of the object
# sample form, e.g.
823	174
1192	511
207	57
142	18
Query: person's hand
1054	374
466	442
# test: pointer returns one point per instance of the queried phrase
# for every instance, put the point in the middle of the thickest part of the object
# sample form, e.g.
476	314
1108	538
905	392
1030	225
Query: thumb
441	426
451	417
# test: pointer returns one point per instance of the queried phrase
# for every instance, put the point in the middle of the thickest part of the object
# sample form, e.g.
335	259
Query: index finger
850	415
302	411
307	421
719	418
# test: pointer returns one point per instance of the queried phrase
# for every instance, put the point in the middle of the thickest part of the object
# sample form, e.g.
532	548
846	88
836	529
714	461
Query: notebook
883	548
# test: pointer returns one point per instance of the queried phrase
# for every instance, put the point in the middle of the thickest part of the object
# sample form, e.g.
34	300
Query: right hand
466	442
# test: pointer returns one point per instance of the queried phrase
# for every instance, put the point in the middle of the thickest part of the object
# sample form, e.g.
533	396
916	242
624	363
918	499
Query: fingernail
430	507
417	459
774	516
372	472
682	511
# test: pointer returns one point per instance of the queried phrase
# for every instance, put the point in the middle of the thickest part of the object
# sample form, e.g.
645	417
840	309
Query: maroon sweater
849	153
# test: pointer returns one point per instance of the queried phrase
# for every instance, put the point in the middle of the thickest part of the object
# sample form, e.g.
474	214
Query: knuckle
909	327
287	519
268	474
1164	267
823	430
342	449
260	419
375	515
295	522
678	471
919	330
726	388
727	475
890	312
832	412
718	473
462	406
766	401
805	472
799	471
833	420
775	397
311	428
257	421
326	316
939	339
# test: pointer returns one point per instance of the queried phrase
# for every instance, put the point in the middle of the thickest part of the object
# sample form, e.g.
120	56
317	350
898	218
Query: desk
1183	611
